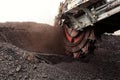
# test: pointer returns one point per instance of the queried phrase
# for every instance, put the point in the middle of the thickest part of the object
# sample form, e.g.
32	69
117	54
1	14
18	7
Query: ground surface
104	65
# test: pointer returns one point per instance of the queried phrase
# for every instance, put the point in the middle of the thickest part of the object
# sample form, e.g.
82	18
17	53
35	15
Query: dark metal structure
83	21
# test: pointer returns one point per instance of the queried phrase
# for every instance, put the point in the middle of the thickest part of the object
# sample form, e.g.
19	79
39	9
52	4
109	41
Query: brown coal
33	36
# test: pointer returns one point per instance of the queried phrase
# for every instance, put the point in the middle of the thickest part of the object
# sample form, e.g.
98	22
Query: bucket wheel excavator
84	21
81	23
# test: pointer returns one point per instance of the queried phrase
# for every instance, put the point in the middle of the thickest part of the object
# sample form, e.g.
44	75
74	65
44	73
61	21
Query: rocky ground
103	65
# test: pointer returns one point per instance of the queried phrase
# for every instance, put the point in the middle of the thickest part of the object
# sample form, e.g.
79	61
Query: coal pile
15	67
103	65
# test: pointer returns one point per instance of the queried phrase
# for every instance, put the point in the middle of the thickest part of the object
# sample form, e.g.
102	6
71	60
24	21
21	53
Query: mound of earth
103	65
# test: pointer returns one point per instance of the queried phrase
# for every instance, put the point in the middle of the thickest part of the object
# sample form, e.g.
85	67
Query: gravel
104	64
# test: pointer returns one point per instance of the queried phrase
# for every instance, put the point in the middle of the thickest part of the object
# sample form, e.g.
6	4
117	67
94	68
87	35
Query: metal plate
74	3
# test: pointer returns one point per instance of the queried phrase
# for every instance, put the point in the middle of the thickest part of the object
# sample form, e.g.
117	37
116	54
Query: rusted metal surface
79	44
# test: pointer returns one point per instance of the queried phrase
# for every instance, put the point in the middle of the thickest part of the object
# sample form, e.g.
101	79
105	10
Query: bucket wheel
78	43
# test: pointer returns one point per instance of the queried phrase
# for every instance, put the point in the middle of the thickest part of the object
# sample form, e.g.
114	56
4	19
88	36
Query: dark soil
32	36
103	65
